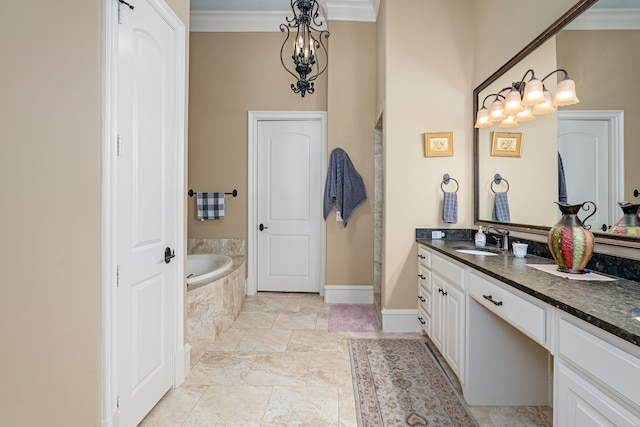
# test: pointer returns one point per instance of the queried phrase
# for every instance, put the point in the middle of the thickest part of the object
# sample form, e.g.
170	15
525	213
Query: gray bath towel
344	186
501	208
450	207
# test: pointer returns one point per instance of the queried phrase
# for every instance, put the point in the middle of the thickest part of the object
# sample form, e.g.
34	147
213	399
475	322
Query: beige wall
50	171
429	64
351	106
50	228
600	61
233	73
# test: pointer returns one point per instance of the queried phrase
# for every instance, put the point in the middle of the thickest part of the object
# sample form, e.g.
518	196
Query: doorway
288	252
143	351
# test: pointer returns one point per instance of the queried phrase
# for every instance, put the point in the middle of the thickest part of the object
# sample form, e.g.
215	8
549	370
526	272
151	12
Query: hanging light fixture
524	100
306	48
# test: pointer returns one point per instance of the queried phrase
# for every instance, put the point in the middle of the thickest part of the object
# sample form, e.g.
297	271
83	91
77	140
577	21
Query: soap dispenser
481	238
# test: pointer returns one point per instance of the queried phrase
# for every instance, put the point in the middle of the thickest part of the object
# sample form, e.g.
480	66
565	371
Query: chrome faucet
502	242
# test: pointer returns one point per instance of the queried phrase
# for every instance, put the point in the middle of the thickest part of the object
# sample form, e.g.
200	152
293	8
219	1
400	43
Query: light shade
546	107
526	115
496	111
566	93
533	93
508	122
483	119
513	103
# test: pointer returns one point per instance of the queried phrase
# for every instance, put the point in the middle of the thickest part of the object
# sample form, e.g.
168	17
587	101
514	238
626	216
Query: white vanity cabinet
447	315
596	383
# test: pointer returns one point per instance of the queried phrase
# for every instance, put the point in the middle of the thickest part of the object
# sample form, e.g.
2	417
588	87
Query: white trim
344	294
270	21
252	185
615	119
400	320
607	19
108	228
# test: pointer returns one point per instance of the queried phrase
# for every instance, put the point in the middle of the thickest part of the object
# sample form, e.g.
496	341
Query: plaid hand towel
210	206
501	208
450	207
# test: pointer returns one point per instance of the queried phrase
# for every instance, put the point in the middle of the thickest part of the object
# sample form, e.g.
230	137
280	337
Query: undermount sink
475	250
636	313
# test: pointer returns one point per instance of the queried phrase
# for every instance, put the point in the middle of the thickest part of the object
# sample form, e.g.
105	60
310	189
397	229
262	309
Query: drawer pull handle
422	321
422	276
421	298
421	256
442	291
490	298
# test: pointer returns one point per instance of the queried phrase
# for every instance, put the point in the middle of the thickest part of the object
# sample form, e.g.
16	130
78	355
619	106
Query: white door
584	148
289	199
146	201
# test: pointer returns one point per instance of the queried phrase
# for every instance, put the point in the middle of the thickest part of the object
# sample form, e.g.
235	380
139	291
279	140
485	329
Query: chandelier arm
566	75
282	28
326	35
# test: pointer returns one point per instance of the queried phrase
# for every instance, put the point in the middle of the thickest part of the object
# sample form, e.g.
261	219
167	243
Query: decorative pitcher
570	241
629	224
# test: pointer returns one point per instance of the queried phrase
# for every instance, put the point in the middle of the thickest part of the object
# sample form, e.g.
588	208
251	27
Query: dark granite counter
605	304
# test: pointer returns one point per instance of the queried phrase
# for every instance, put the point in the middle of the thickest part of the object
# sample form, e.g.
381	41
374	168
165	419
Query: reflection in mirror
584	151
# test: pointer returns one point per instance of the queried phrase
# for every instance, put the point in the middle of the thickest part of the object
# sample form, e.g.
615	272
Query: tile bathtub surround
216	246
278	365
213	307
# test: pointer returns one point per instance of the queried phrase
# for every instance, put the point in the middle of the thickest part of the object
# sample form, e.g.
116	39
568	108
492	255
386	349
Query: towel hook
445	181
497	179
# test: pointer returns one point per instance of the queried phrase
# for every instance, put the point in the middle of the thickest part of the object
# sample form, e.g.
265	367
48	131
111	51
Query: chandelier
305	47
525	100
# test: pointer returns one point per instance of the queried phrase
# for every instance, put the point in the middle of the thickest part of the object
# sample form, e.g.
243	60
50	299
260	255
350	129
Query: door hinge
118	276
119	145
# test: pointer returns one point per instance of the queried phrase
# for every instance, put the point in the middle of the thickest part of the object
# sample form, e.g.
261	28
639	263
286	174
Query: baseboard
343	294
187	360
400	320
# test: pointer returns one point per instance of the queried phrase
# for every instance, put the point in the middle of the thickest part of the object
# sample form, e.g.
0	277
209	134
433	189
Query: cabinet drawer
424	301
448	270
610	365
424	278
425	320
424	256
522	314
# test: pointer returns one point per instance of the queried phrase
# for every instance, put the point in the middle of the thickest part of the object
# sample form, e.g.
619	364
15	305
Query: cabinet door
438	320
454	330
579	403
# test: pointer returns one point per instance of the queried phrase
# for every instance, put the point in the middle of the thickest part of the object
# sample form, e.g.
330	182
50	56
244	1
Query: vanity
515	335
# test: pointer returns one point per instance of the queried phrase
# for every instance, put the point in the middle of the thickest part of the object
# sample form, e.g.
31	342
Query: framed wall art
506	144
438	144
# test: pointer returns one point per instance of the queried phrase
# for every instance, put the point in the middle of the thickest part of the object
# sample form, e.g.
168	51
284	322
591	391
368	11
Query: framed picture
438	144
506	144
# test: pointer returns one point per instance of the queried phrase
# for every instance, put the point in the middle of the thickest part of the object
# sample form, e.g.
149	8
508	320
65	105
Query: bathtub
205	266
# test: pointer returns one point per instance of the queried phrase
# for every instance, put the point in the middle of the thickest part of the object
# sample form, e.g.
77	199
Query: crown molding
269	21
607	19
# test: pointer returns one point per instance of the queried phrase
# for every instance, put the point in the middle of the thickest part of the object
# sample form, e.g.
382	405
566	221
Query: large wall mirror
586	151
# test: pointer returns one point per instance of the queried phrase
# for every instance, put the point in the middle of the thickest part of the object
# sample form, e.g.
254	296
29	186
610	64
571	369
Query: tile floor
279	366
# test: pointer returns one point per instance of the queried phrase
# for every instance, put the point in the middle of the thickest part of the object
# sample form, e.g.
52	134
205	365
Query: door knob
262	227
168	254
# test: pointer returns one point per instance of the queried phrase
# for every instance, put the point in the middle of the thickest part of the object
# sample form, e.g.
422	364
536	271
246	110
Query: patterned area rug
352	318
400	383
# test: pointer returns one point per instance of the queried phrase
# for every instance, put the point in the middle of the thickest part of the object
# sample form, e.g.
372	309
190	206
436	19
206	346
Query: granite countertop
605	304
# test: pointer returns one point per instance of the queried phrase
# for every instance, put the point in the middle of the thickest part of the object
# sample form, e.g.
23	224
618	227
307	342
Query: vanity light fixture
524	100
306	46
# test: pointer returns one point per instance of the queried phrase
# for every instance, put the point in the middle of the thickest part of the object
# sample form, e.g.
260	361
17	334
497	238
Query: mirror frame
553	29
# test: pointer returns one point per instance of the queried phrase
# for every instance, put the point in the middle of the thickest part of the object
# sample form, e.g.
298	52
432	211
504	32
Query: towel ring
497	179
445	181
